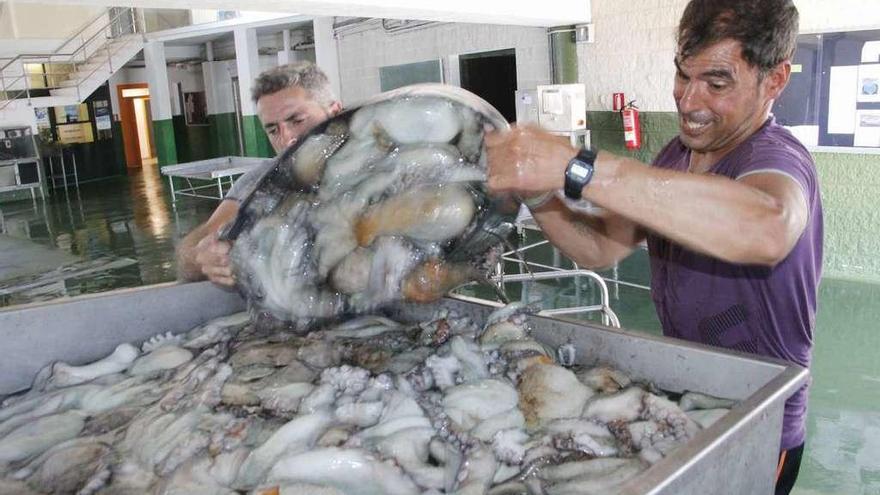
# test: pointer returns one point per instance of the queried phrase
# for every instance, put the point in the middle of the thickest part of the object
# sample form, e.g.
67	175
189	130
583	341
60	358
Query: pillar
160	102
248	63
563	53
326	55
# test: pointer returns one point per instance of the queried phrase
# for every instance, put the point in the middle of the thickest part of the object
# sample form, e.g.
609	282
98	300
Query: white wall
218	86
362	54
632	53
190	79
838	15
18	113
10	47
635	46
34	20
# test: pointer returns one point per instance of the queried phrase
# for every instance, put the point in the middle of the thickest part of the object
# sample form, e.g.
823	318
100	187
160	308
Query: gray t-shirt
245	183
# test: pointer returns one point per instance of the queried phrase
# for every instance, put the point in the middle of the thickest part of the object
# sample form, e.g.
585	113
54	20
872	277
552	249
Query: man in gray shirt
291	100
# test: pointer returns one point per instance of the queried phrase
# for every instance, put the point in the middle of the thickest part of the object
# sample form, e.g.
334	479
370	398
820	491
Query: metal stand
18	184
533	271
63	177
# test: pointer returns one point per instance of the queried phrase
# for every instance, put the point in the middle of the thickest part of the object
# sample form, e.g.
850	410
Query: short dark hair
766	29
303	74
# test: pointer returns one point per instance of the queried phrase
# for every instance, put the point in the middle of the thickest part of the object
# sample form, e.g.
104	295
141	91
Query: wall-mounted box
562	107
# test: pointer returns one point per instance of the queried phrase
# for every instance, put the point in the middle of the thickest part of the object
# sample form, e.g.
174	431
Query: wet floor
127	224
121	233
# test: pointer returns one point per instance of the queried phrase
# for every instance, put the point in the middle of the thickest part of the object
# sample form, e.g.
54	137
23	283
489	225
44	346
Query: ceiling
525	13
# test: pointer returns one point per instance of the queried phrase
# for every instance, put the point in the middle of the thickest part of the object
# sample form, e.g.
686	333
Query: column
287	55
160	102
284	54
326	55
563	55
248	63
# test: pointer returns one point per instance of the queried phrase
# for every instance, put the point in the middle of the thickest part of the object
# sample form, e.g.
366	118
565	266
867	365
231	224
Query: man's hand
200	255
527	161
212	256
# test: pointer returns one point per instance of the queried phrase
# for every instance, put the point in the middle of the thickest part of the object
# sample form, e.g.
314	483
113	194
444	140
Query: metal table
208	175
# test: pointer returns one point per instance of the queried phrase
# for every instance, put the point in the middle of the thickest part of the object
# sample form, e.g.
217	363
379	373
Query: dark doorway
492	76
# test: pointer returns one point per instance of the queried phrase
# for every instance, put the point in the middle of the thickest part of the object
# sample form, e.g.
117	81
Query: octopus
385	202
364	406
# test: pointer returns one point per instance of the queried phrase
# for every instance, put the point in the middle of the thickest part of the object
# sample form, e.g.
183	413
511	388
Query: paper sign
842	99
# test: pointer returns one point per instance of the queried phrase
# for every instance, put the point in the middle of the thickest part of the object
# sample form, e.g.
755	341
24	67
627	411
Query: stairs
94	53
99	67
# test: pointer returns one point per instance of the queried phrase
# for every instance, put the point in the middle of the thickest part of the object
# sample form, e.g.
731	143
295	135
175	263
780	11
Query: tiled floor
121	233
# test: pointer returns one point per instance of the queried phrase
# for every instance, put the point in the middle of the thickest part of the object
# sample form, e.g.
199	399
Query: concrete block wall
634	46
633	52
362	54
850	187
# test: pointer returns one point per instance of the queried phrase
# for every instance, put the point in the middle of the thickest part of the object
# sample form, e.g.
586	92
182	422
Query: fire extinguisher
632	130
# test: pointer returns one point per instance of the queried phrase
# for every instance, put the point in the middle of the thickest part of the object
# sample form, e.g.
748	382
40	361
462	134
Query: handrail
70	58
57	50
101	31
57	53
109	60
83	28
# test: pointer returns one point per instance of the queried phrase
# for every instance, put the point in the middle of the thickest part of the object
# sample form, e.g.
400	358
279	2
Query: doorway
491	76
137	124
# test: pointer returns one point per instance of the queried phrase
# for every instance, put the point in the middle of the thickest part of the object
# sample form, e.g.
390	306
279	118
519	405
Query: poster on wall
869	83
195	108
102	115
42	117
867	128
71	114
75	133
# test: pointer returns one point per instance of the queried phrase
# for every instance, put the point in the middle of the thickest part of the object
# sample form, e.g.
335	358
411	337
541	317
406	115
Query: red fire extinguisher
632	130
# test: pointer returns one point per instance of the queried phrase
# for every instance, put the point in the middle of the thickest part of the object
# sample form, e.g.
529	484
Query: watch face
579	170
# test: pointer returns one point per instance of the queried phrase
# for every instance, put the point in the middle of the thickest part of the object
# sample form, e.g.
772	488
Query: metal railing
106	26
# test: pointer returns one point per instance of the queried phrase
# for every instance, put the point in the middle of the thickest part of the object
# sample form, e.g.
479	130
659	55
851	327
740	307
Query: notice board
833	98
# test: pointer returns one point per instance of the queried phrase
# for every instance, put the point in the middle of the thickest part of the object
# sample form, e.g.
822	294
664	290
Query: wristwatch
579	172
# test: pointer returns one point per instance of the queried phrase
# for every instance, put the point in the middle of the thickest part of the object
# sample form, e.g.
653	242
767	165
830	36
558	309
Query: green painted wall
119	148
255	141
163	136
193	142
606	132
222	137
850	185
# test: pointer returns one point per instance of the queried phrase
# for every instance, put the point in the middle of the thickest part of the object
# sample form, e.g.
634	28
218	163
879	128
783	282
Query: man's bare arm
755	220
201	256
593	242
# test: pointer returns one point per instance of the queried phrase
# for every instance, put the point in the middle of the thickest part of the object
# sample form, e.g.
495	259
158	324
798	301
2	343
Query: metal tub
737	455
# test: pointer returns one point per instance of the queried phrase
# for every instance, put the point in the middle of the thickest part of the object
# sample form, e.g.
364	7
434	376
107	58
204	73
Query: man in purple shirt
730	208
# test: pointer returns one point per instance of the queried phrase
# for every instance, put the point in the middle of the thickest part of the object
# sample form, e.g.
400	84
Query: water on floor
121	233
114	233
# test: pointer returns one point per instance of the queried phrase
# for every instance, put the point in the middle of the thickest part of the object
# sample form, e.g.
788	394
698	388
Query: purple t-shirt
755	309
